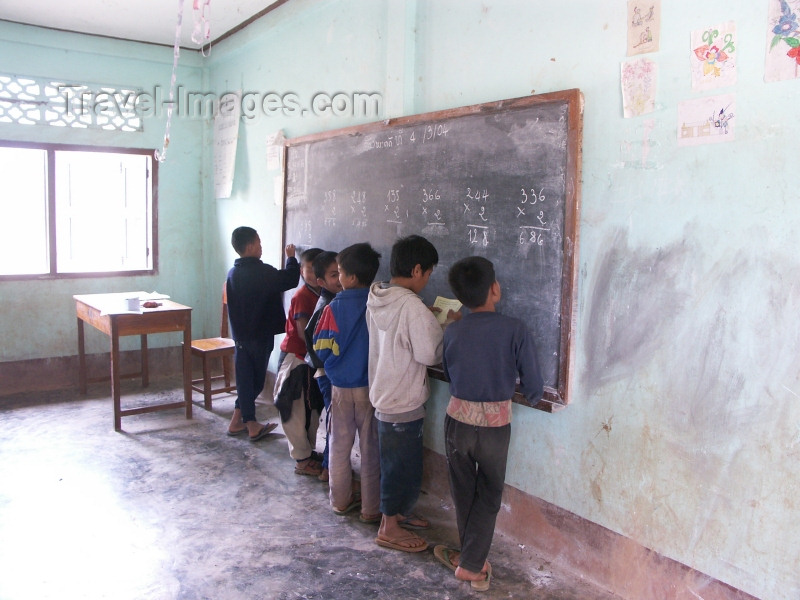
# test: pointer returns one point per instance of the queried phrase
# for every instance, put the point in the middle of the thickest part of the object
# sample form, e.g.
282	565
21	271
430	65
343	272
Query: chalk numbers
475	212
531	197
329	208
531	236
428	195
358	209
435	131
533	222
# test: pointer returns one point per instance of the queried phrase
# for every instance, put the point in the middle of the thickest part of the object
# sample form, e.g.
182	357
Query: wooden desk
108	313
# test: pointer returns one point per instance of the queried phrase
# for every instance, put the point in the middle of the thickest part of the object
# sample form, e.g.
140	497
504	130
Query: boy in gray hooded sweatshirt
404	339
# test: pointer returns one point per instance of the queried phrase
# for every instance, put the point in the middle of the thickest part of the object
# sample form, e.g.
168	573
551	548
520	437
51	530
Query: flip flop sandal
266	430
354	504
395	544
482	585
370	519
237	433
442	554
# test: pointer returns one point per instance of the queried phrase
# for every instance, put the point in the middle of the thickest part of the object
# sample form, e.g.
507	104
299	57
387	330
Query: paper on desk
152	296
446	305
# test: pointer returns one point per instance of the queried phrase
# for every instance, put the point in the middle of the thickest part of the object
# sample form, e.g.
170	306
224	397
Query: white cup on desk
133	303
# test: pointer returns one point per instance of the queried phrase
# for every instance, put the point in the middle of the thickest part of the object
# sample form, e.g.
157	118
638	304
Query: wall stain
636	293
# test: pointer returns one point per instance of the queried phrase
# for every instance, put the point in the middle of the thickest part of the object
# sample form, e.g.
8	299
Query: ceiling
153	21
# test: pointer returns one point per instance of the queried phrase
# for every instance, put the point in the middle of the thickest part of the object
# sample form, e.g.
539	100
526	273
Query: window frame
51	149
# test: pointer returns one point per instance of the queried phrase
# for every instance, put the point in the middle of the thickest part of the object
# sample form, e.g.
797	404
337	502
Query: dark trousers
251	361
400	446
476	465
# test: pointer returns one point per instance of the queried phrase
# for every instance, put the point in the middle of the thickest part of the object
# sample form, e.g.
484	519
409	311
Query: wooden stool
210	349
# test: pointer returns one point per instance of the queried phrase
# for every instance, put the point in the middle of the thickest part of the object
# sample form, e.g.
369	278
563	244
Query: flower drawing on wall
714	57
638	87
783	51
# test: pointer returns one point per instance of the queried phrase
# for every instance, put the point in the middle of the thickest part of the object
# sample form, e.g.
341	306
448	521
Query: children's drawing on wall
783	41
644	26
714	57
706	120
638	87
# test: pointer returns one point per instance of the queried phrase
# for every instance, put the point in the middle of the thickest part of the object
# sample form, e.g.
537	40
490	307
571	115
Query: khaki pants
351	413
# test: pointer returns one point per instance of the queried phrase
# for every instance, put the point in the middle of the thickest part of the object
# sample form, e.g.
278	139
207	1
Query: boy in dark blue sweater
256	316
483	355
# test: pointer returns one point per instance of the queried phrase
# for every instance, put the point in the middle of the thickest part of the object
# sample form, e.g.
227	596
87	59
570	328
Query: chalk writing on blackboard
500	180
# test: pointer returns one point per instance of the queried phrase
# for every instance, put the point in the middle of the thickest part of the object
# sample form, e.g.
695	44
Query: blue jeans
250	360
400	447
325	387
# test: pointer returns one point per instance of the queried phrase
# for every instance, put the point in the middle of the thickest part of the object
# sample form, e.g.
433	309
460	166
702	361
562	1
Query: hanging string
202	28
161	155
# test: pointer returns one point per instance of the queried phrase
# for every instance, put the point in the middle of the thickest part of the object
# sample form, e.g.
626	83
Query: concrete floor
174	508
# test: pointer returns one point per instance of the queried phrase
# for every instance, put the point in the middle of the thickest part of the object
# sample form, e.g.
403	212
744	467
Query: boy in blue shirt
341	341
255	312
483	355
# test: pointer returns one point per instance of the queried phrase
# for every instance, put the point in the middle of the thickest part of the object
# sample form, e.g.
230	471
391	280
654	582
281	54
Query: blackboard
500	179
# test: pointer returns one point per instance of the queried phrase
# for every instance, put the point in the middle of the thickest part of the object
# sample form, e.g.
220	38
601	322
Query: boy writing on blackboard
255	311
404	339
483	355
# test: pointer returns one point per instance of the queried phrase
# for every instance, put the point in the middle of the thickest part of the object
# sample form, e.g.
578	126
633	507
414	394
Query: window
38	101
70	211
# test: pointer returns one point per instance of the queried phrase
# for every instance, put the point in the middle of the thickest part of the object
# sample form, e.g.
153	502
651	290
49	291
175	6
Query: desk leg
145	366
187	365
115	382
81	358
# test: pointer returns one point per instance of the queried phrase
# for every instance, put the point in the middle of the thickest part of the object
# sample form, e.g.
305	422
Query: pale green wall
684	427
684	424
38	317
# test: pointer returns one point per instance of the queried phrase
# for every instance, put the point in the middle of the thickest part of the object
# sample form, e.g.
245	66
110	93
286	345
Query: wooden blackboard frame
556	397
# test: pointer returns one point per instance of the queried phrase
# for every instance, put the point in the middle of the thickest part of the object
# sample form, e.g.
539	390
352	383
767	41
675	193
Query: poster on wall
644	26
713	57
707	120
226	137
783	41
638	87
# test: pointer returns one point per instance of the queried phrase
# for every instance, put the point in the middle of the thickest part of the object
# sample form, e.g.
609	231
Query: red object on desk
108	313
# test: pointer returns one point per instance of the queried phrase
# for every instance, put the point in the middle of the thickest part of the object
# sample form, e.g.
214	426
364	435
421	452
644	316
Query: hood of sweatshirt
385	303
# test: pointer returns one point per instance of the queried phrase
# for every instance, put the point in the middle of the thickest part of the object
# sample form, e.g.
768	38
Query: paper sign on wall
707	120
638	87
644	26
783	41
226	137
713	57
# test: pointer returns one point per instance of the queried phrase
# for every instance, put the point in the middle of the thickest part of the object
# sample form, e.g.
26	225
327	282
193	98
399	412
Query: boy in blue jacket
341	341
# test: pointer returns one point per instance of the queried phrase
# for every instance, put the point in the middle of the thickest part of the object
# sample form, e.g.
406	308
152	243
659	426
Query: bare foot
236	425
412	522
391	535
